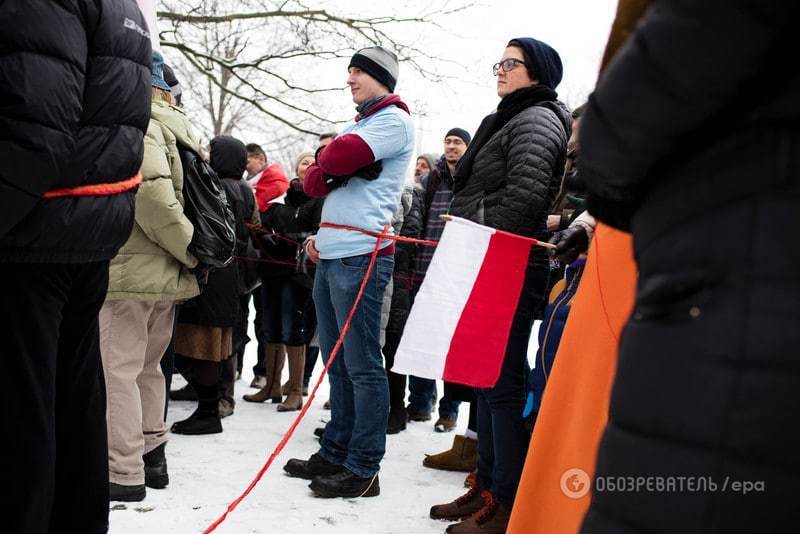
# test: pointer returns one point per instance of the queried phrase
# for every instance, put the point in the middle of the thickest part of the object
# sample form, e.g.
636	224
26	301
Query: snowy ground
208	472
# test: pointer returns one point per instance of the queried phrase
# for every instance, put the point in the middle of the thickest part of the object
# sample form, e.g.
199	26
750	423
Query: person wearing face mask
508	179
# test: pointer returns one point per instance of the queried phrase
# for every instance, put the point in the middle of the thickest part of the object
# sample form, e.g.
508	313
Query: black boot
345	484
205	419
397	421
313	467
120	492
186	393
155	468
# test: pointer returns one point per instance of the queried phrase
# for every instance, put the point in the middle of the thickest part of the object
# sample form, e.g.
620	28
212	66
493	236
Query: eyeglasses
507	64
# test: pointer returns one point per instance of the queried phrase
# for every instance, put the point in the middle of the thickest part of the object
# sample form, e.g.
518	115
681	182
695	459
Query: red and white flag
459	325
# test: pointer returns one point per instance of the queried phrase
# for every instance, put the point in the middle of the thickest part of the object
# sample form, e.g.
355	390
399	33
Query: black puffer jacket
75	93
516	175
703	165
737	101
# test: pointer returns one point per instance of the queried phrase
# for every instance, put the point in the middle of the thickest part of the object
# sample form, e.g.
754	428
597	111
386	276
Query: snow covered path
208	472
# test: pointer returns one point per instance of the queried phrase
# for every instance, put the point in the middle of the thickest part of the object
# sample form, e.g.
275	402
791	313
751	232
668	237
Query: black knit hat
379	63
461	133
541	61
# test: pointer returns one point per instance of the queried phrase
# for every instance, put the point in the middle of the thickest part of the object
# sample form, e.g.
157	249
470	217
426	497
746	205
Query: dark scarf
510	106
364	108
377	103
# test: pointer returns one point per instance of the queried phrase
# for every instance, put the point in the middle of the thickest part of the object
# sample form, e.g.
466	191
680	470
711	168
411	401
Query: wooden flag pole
536	242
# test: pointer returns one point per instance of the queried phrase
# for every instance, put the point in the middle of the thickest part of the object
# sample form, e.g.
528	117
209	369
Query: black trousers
56	463
240	337
397	382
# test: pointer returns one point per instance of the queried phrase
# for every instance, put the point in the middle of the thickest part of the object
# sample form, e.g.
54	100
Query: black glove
570	243
369	172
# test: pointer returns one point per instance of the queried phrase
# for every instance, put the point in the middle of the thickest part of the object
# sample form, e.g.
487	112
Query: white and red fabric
459	325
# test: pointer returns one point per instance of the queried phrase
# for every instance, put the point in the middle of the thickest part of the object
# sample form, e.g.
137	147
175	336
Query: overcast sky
476	38
467	45
577	29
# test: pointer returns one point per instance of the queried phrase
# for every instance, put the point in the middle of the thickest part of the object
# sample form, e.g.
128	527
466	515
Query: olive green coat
154	263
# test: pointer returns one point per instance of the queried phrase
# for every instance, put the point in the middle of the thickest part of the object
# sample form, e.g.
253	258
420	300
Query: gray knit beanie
379	63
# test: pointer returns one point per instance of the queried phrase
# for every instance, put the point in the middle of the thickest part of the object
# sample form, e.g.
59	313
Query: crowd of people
107	293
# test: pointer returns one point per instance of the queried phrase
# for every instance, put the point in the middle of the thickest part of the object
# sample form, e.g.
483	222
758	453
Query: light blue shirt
369	204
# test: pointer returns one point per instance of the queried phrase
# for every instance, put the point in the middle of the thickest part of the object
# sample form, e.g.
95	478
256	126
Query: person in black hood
508	179
75	85
205	324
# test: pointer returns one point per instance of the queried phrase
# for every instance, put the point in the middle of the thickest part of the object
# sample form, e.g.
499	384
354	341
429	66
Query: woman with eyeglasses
508	179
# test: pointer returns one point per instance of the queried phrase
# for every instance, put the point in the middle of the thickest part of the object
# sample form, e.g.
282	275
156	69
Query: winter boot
186	393
297	361
462	456
273	363
227	385
120	492
471	480
345	484
445	424
205	419
491	519
258	382
155	468
470	503
315	466
397	421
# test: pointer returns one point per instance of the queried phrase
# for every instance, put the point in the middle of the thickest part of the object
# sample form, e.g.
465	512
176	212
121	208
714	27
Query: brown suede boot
470	503
227	383
297	362
273	363
492	519
462	456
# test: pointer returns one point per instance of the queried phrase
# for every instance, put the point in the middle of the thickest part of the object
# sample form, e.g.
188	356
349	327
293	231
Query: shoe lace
471	481
485	513
468	496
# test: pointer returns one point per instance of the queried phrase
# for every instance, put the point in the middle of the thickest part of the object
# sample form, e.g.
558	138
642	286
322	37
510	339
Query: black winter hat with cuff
379	63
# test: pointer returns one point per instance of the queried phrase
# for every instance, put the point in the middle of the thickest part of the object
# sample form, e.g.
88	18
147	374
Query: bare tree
254	64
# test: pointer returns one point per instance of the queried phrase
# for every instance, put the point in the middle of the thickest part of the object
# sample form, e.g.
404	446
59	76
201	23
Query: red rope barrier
380	235
290	432
285	439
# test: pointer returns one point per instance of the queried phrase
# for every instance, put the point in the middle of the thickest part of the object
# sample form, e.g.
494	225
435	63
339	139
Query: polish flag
459	325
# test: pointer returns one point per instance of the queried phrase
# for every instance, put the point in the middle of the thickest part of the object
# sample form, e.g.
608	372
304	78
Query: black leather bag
206	206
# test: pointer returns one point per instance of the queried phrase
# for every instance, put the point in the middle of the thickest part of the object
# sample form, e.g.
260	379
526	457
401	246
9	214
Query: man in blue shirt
361	174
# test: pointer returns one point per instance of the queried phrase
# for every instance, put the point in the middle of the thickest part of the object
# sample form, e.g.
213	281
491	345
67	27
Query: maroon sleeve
345	155
314	182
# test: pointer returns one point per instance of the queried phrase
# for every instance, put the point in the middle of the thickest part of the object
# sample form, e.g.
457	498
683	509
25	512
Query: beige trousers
133	338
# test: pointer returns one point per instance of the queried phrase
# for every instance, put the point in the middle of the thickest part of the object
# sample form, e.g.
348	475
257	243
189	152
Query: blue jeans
421	394
355	437
502	435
